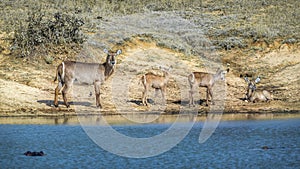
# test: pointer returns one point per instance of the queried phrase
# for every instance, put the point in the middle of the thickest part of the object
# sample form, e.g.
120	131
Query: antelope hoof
192	105
55	105
144	103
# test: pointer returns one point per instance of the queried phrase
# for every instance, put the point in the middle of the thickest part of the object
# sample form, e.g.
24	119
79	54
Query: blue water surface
235	144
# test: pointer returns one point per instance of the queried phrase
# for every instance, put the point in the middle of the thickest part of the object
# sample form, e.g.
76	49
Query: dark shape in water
266	147
29	153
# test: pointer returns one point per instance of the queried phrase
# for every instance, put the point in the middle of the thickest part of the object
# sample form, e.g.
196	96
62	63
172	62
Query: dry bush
42	31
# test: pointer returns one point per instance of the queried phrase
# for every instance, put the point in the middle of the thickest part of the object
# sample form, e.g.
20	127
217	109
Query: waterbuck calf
158	82
254	95
84	73
207	80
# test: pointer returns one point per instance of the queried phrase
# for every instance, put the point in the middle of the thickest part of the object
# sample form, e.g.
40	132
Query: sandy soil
27	87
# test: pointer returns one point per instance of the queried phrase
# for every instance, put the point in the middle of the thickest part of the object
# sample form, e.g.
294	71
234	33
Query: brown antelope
207	80
254	95
158	82
84	73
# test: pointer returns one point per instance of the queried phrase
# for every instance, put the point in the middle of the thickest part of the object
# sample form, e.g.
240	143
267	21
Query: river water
234	144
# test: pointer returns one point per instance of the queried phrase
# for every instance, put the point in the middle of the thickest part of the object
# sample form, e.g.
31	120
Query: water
235	144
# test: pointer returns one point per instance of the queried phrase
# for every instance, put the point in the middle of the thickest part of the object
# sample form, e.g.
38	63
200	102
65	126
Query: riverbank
195	36
27	88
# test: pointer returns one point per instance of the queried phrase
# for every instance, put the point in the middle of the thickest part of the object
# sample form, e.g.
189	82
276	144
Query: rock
29	153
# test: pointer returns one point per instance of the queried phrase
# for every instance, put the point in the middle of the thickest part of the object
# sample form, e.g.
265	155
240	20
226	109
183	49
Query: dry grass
186	26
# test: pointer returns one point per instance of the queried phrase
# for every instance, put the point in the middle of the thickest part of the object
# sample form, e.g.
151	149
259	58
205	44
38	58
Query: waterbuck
254	95
158	82
207	80
84	73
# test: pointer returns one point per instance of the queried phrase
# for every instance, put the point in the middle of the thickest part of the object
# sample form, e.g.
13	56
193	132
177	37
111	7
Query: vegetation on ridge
228	24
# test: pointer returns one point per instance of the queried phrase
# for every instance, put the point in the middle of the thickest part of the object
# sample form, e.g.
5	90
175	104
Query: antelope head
221	74
251	86
111	57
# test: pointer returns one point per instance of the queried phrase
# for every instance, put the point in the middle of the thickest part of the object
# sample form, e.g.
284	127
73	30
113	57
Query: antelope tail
55	76
143	80
192	78
62	77
58	76
63	71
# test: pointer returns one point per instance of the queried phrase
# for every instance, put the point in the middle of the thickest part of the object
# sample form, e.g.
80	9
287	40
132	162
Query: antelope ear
257	80
105	51
119	51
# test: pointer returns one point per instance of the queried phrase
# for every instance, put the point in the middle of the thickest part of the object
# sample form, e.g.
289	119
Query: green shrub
42	31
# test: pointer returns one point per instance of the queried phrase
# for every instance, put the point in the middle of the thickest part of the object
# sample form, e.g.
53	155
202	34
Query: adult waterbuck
254	95
207	80
69	72
158	82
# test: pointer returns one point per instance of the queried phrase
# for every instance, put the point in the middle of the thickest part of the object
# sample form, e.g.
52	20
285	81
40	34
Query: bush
42	31
230	43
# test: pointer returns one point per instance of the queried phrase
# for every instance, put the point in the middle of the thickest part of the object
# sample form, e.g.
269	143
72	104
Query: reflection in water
136	118
58	121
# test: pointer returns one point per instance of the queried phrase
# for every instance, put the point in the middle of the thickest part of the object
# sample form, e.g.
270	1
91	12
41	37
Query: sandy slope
27	88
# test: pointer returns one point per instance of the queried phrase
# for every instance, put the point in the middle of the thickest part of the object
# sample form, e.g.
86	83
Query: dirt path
27	89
